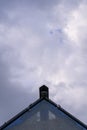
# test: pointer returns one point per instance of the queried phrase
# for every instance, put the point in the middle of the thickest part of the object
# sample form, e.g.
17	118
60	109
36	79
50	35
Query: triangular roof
44	113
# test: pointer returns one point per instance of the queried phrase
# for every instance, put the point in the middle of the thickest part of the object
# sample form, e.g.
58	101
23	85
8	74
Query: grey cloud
49	4
32	56
74	95
34	5
13	98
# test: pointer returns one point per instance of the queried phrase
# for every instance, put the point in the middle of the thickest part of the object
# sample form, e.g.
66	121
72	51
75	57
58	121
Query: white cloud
77	24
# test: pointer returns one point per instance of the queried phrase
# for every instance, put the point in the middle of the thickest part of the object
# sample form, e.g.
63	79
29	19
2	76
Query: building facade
44	114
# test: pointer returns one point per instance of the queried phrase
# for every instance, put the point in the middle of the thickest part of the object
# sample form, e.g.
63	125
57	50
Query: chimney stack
44	92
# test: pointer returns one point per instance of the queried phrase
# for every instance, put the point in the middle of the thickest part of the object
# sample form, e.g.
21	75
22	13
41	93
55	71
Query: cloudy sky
43	42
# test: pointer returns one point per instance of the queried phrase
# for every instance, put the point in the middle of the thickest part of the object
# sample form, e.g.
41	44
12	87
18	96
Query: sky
43	42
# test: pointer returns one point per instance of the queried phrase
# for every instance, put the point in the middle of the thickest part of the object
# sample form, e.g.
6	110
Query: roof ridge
35	103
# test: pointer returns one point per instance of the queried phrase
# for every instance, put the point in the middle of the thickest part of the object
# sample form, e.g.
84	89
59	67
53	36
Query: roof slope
44	114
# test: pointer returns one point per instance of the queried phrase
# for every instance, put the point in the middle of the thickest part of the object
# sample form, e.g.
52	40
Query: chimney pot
44	92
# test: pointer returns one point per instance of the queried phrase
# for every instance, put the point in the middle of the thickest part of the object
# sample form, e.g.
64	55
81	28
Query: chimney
44	92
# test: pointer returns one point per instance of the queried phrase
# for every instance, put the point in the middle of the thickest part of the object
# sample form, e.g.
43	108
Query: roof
31	106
